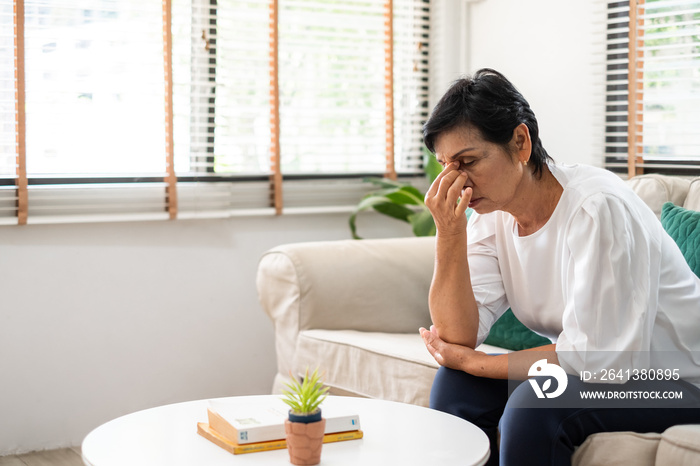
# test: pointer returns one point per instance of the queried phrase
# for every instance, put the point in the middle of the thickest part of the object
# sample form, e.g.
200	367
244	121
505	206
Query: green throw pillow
683	226
509	333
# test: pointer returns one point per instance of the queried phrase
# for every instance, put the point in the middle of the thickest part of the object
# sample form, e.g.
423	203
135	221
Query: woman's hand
463	358
449	355
493	366
442	201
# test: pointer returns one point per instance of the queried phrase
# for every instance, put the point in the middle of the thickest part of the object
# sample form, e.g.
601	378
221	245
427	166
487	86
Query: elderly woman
576	255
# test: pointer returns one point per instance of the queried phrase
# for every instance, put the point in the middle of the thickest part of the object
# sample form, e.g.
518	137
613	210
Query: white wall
550	50
99	320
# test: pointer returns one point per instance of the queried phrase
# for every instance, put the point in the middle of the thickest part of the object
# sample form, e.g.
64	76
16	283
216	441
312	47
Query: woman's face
493	173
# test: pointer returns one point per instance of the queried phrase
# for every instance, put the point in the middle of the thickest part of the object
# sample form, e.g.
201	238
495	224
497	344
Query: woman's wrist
452	234
492	366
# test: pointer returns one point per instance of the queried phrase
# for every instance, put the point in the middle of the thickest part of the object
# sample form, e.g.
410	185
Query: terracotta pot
304	441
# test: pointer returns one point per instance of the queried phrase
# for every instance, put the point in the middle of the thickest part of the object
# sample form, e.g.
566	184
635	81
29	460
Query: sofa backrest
313	277
692	201
655	190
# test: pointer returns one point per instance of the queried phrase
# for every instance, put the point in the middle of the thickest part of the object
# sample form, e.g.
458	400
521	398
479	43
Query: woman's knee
540	430
448	385
466	395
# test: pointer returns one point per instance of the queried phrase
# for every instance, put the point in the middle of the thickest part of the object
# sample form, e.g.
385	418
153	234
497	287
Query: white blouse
601	278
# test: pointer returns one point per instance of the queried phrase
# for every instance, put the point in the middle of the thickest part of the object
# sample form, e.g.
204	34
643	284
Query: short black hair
490	103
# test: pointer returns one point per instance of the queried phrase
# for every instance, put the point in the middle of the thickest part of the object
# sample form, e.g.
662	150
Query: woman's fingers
442	199
445	354
464	201
433	190
447	185
431	342
448	182
455	188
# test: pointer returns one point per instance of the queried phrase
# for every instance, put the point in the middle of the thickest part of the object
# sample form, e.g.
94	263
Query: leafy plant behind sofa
401	201
404	202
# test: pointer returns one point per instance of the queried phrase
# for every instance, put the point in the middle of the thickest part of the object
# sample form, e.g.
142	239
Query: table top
394	433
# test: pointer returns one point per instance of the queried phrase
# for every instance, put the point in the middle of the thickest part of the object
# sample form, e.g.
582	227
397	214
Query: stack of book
245	427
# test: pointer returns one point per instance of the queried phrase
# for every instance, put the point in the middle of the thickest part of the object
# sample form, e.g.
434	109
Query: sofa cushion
683	226
389	366
655	190
679	446
618	449
692	201
508	332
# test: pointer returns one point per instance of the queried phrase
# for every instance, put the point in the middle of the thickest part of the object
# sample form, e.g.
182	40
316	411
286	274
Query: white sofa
353	308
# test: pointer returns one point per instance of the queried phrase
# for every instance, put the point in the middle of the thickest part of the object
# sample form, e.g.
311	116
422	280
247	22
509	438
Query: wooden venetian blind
653	91
197	108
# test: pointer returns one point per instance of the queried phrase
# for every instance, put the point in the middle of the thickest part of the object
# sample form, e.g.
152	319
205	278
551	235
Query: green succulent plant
306	396
401	201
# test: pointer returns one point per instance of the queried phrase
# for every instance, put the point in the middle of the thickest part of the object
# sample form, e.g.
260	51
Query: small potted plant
305	426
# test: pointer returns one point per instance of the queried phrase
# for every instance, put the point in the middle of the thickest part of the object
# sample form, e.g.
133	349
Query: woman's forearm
452	305
453	308
514	366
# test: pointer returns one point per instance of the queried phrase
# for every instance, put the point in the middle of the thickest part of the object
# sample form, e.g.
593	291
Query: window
188	108
664	89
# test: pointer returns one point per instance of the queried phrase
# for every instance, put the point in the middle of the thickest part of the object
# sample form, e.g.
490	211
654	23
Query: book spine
213	436
271	432
255	447
342	424
277	445
343	436
244	436
268	433
261	434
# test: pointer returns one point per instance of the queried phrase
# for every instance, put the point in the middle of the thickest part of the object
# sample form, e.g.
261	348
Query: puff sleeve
611	284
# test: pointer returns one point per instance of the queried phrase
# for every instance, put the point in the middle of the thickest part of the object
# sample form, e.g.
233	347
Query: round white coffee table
394	433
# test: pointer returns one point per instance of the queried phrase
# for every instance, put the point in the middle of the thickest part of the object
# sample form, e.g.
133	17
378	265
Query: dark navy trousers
544	436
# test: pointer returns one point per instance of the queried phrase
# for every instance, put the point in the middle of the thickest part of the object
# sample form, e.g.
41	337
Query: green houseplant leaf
406	194
381	204
423	223
396	211
382	182
401	201
432	167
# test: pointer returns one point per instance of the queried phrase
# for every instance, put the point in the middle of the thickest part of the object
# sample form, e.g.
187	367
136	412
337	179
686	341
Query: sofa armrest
376	285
